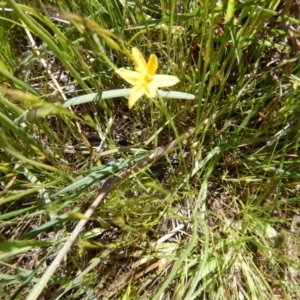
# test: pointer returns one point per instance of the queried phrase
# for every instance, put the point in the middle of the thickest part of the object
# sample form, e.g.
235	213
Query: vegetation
174	198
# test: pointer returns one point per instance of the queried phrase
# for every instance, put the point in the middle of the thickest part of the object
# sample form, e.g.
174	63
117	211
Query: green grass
193	199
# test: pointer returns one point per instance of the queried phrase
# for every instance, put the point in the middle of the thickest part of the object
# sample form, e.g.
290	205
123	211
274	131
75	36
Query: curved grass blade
8	249
44	111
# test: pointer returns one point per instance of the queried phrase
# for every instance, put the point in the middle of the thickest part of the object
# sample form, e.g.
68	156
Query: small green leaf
281	240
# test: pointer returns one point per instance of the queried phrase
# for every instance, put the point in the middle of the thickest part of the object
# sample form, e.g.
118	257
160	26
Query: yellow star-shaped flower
144	79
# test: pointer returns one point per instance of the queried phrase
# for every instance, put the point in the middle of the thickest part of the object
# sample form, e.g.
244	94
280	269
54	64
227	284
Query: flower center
147	78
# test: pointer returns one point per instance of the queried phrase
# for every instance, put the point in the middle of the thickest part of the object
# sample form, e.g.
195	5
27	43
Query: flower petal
135	95
164	80
152	64
150	89
139	61
132	77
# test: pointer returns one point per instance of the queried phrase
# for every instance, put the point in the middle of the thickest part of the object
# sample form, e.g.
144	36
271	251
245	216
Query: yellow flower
144	79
